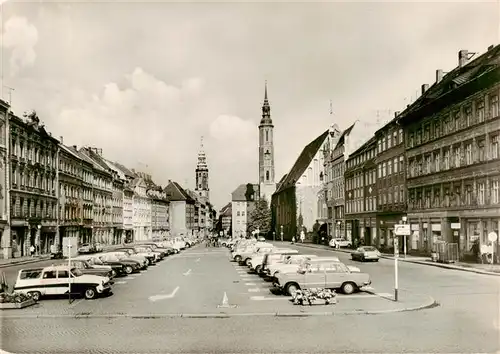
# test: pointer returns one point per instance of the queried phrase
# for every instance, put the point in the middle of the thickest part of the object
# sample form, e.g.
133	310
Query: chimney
463	57
75	147
169	181
61	140
425	87
396	114
439	75
491	47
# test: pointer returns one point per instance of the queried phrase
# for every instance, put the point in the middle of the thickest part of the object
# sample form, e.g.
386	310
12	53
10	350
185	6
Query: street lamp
39	227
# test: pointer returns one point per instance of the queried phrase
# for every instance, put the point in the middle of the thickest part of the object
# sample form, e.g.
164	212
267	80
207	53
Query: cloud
20	37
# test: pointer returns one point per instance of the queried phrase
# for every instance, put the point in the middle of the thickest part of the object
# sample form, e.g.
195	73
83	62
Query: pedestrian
32	250
302	236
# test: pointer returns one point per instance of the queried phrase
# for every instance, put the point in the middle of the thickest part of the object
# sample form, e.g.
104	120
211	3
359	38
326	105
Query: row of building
436	164
49	190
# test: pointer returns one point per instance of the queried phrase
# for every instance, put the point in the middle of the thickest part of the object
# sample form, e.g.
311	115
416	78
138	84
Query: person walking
32	250
302	236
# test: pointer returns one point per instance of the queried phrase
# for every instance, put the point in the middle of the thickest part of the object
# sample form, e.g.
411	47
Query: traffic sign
402	229
492	236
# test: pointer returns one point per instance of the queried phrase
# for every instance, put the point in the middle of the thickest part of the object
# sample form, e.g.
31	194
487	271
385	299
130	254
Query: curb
432	264
427	305
34	260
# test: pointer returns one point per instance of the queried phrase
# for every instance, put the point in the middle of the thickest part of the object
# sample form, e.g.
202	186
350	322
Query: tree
260	217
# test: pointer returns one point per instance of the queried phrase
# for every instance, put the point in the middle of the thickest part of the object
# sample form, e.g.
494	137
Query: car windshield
76	272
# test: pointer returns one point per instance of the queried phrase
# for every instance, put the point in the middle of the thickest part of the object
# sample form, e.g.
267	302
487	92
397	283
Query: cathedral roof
244	192
176	193
302	163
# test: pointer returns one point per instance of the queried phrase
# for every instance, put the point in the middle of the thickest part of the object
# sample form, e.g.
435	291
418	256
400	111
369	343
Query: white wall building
141	218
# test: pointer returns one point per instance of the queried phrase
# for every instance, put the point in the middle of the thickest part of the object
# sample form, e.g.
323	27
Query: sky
144	81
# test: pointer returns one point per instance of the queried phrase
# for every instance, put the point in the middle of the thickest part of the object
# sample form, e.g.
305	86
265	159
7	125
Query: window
428	164
410	140
427	131
379	146
401	194
401	163
237	213
384	143
481	193
419	137
494	192
395	163
468	154
494	147
480	111
446	159
267	175
481	151
267	136
62	274
437	161
396	194
49	275
457	156
456	120
383	169
468	115
493	106
437	129
400	136
389	168
395	138
389	141
380	170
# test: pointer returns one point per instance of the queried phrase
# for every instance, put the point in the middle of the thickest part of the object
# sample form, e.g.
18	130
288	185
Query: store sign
415	227
455	225
402	230
436	227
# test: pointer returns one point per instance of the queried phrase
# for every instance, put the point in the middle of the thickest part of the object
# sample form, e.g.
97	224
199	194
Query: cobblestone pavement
465	321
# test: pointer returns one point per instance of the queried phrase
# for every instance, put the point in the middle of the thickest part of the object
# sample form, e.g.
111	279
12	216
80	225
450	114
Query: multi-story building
225	216
33	186
159	212
102	187
391	182
361	194
452	141
142	207
75	200
243	201
5	238
181	210
128	195
295	204
267	184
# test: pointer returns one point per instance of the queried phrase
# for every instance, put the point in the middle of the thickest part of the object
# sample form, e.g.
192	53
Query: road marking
120	282
256	290
197	260
250	284
163	296
263	298
188	272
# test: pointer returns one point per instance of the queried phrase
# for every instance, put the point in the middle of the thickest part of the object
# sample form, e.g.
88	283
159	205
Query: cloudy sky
144	81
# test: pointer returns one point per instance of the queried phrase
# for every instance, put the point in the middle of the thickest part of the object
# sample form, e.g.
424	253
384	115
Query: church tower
266	151
202	174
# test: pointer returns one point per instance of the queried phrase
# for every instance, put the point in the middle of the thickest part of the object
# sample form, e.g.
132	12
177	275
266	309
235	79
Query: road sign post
399	230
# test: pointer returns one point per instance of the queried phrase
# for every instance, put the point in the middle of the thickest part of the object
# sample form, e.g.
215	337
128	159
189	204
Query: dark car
86	268
165	251
129	266
150	257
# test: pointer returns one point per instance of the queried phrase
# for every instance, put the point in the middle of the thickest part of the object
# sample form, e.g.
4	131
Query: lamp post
38	236
281	227
404	221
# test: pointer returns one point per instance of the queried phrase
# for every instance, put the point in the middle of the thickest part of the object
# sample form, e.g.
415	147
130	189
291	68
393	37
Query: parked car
366	253
86	268
131	264
156	247
54	280
85	248
117	268
133	253
246	256
245	251
342	242
326	274
259	261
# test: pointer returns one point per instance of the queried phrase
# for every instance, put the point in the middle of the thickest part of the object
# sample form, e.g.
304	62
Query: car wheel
363	259
237	259
258	269
291	289
128	269
348	288
247	261
90	293
35	295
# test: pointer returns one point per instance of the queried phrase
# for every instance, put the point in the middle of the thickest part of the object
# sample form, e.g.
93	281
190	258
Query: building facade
128	177
267	184
226	218
33	186
295	204
361	194
243	201
142	205
159	213
391	182
5	234
181	210
452	142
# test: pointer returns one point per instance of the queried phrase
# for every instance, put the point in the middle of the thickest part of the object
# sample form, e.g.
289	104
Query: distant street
143	314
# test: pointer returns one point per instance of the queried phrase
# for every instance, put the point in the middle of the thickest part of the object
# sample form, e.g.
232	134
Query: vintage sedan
326	274
131	265
259	260
245	253
86	268
366	253
117	268
133	254
275	265
341	242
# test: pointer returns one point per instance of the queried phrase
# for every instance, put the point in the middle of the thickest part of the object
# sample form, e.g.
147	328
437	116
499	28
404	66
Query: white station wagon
54	280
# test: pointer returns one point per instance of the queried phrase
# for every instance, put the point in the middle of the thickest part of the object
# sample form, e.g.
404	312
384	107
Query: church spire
266	109
202	158
202	173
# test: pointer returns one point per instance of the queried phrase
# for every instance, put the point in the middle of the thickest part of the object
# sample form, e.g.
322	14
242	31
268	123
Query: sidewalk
489	269
23	260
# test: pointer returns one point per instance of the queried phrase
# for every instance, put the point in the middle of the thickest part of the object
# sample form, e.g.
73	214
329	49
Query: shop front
47	236
20	238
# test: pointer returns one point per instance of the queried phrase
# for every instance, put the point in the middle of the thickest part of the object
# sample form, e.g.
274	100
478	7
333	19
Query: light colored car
85	248
259	260
290	260
246	257
54	280
325	275
127	256
366	253
242	253
341	242
299	263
